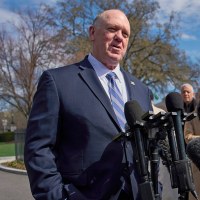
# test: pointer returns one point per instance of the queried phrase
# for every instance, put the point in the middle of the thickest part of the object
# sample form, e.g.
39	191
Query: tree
152	55
55	36
72	19
24	55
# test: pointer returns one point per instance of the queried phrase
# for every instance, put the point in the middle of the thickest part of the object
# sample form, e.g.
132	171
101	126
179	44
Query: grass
7	149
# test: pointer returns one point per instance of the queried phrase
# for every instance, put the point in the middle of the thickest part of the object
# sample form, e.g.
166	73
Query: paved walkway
14	187
14	184
164	177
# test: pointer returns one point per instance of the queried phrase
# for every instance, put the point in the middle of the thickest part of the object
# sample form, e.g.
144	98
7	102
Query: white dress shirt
101	71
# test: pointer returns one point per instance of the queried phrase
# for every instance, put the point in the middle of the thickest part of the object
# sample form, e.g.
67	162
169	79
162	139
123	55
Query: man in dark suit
69	147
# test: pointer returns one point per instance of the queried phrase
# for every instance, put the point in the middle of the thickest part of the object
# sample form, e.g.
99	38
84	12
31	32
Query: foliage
152	55
54	36
7	137
17	164
24	55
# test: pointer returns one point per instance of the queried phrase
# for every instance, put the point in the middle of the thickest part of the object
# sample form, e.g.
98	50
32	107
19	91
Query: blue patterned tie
116	99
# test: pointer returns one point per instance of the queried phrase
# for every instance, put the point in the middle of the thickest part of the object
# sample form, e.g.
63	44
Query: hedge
7	137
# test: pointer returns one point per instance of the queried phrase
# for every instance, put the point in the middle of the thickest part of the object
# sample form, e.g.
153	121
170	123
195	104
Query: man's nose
119	35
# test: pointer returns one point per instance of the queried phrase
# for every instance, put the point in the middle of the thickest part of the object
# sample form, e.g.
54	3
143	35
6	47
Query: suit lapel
89	76
130	84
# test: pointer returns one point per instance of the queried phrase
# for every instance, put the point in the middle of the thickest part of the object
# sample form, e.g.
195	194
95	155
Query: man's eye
112	29
125	35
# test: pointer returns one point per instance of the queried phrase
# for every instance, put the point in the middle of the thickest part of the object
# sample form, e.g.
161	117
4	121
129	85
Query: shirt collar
101	70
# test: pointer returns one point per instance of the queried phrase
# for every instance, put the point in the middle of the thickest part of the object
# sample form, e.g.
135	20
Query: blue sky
188	10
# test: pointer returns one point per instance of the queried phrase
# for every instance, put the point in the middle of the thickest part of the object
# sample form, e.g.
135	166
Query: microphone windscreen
174	102
193	151
133	112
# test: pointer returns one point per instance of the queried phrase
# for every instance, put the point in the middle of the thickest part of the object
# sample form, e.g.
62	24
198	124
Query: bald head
106	16
110	34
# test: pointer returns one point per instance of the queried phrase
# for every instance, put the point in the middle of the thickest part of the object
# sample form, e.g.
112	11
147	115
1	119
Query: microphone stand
155	134
145	185
154	163
176	170
183	165
179	167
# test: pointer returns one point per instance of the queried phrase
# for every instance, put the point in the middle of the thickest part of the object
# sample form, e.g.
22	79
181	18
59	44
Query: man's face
187	94
110	38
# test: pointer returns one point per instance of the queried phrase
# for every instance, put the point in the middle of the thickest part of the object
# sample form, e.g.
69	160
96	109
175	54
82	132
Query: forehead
114	18
187	89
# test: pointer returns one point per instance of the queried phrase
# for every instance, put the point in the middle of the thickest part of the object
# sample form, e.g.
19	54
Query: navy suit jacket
68	147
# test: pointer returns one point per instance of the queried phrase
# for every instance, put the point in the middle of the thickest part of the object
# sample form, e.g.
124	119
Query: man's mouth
116	47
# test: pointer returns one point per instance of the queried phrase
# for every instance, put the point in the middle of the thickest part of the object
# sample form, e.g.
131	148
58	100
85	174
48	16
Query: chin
116	58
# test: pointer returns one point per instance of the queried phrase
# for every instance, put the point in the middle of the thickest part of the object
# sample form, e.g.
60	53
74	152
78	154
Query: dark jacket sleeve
40	143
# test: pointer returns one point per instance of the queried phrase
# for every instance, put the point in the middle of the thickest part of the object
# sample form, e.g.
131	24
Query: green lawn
7	149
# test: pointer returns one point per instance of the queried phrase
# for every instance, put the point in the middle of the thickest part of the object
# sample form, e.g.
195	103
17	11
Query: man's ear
91	32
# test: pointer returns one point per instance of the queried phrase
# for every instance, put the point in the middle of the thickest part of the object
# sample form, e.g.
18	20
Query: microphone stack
152	134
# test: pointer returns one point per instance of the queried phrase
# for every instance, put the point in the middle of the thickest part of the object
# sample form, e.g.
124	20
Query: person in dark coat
69	149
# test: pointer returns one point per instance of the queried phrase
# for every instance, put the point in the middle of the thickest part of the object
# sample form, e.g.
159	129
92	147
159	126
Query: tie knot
111	75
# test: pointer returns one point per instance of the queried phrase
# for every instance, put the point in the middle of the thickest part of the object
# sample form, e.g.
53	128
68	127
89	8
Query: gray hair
187	85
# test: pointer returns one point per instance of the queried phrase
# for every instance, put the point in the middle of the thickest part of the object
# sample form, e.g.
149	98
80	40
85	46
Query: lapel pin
132	83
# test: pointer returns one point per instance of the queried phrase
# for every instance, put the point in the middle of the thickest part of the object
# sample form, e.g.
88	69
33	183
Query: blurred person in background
188	95
192	131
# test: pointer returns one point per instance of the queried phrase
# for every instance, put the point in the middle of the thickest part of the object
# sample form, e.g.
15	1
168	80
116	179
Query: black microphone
133	114
193	151
174	104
